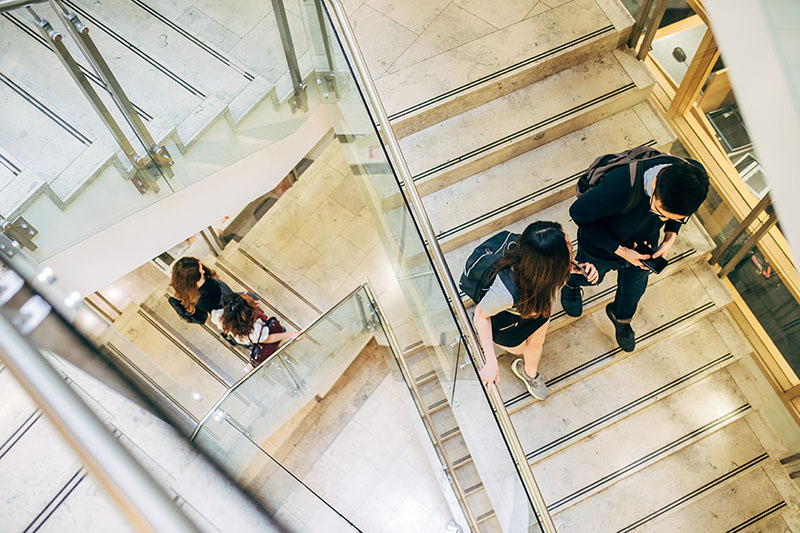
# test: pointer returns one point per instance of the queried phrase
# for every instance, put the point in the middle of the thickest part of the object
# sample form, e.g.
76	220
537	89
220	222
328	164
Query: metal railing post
638	25
741	228
300	99
440	265
330	77
134	491
652	28
143	181
157	156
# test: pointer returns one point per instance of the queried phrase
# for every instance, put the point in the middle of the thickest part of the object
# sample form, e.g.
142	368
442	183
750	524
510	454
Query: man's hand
666	244
587	270
632	256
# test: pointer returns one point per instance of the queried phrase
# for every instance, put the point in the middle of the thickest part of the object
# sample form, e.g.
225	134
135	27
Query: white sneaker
536	386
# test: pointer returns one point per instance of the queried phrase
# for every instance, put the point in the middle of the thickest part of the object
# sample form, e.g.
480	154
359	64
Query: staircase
188	92
666	438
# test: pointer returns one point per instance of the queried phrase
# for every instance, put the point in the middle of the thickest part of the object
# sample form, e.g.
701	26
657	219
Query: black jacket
601	226
210	299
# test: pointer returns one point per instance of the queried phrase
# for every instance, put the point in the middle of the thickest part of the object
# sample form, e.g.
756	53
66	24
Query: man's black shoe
625	335
572	300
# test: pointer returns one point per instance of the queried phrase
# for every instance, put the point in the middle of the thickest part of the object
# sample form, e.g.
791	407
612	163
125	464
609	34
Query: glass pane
675	47
211	86
272	393
284	496
766	295
427	305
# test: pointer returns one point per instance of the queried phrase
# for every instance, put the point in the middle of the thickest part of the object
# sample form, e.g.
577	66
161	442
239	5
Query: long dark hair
185	275
239	314
541	265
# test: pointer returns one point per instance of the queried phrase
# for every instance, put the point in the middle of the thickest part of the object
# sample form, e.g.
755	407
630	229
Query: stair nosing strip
700	490
20	432
525	131
274	276
121	355
196	41
501	72
763	514
45	110
628	406
708	428
610	353
10	166
181	345
52	508
519	201
121	39
86	72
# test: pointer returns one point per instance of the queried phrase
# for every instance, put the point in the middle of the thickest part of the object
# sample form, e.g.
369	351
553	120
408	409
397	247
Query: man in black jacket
671	190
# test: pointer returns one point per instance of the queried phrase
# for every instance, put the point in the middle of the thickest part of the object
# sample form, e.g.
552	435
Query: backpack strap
636	174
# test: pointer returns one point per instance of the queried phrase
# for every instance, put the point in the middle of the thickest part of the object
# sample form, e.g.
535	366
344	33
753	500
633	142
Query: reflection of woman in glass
197	287
535	269
241	317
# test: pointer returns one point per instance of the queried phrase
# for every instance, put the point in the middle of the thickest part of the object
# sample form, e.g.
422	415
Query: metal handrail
423	223
8	5
271	358
138	496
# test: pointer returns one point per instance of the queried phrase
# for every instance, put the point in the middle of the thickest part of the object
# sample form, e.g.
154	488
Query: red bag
260	352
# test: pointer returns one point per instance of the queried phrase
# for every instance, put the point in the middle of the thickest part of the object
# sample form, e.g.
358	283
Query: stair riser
507	83
600	427
652	461
531	140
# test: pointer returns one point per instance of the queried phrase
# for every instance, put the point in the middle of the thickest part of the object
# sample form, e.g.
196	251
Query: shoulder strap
636	173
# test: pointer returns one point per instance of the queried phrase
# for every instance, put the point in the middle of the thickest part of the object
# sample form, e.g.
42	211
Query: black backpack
633	158
478	272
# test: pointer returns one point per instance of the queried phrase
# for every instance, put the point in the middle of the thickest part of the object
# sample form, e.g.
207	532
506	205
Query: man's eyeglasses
662	216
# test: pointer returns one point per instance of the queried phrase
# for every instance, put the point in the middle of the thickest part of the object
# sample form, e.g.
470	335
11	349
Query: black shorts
511	330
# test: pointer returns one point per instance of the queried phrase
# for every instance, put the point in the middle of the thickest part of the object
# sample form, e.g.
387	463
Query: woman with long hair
535	268
197	287
241	317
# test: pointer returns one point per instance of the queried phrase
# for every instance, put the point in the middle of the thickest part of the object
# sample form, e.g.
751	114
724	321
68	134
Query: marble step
261	279
501	62
589	345
525	119
175	364
691	246
749	503
670	484
628	386
17	411
202	340
35	471
10	168
488	201
598	462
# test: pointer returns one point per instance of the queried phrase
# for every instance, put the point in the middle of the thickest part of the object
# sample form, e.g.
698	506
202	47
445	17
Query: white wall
112	253
752	35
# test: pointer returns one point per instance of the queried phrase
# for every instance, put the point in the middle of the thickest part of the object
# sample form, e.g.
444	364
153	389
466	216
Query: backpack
632	158
478	271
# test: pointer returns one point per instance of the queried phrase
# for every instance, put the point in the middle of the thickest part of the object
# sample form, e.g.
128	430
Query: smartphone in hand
654	265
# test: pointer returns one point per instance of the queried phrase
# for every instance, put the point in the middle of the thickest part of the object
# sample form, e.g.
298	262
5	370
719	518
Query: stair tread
728	507
539	36
590	340
540	104
15	408
704	464
538	173
33	472
605	397
599	461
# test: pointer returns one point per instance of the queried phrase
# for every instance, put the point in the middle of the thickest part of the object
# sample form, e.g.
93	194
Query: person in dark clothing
671	190
197	287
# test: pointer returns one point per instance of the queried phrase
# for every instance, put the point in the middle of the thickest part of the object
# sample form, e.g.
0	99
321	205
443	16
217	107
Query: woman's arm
277	337
490	373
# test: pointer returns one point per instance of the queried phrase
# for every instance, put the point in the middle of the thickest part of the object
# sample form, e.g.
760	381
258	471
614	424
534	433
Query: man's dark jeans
631	282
